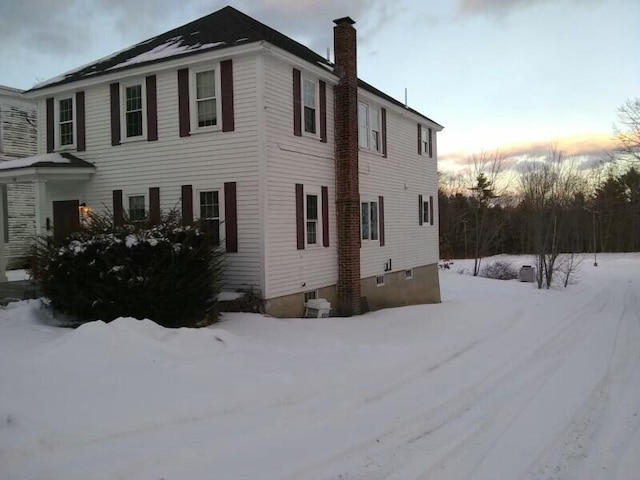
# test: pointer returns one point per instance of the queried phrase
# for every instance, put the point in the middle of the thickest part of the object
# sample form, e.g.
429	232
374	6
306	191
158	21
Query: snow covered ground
500	381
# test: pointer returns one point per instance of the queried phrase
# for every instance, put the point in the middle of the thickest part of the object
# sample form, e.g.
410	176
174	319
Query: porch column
3	233
40	188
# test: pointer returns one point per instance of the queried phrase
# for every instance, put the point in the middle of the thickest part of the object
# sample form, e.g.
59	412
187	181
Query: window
210	213
310	295
206	92
369	136
380	280
309	106
311	211
363	125
408	274
137	209
369	220
425	213
65	122
426	136
134	104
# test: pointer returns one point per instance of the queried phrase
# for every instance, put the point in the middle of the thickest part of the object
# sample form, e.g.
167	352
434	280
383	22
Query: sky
510	75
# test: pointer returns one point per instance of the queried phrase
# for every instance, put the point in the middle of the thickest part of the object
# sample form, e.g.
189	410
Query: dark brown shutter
115	113
323	112
420	209
430	143
81	144
231	217
299	216
152	109
51	135
183	102
383	114
297	106
381	219
154	205
187	205
226	85
325	216
431	210
118	212
419	139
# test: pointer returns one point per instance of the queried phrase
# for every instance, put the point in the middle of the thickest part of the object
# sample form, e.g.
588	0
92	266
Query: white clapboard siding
291	160
18	140
399	178
204	160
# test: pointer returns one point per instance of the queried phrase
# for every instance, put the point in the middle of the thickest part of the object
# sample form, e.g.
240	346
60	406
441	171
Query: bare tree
548	187
483	175
627	130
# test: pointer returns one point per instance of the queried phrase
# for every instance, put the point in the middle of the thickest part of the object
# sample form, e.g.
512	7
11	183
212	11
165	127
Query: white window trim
56	122
317	191
371	107
370	201
213	187
146	204
193	103
425	140
123	110
317	106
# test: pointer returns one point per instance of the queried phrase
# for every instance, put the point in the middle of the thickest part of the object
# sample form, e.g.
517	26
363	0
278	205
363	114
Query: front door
66	218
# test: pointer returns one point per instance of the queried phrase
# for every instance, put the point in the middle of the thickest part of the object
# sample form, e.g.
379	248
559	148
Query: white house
320	185
17	140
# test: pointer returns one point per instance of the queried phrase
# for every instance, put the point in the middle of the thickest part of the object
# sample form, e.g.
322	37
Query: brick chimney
347	184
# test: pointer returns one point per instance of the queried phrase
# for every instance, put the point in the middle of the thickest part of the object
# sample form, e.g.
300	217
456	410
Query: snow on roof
44	160
173	46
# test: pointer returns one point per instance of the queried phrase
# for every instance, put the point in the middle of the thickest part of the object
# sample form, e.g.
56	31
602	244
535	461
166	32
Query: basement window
380	280
408	274
310	295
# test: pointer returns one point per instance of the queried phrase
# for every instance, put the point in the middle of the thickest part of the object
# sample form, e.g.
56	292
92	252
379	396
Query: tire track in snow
392	448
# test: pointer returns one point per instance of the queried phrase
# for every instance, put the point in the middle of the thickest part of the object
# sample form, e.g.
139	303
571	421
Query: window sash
363	125
369	221
210	214
137	208
309	106
312	219
425	212
375	128
133	110
206	100
65	118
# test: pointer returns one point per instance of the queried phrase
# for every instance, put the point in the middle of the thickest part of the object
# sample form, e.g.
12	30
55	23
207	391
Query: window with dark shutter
154	205
381	220
383	116
323	111
299	216
420	210
187	204
183	102
152	108
118	210
51	135
431	210
115	113
81	145
325	216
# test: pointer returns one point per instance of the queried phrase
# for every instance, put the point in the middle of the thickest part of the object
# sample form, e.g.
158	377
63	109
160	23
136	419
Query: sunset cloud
590	148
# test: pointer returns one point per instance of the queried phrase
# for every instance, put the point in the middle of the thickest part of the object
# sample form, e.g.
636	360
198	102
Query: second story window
133	111
369	131
65	122
206	99
309	104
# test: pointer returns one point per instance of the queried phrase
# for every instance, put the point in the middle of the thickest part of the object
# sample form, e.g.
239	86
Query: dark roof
222	29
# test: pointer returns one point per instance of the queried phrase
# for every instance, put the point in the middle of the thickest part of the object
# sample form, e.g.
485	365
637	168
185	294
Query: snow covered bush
499	270
167	273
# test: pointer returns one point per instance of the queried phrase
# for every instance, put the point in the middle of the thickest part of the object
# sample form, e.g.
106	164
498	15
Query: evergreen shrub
167	273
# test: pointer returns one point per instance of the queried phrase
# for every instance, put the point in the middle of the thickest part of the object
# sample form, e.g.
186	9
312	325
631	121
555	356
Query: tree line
545	206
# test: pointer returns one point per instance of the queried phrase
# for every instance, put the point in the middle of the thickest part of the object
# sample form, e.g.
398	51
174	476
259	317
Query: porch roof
46	166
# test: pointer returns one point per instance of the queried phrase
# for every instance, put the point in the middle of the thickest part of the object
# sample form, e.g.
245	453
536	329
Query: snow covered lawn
500	381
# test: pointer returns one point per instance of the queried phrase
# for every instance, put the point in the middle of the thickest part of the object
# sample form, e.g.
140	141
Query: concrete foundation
397	291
